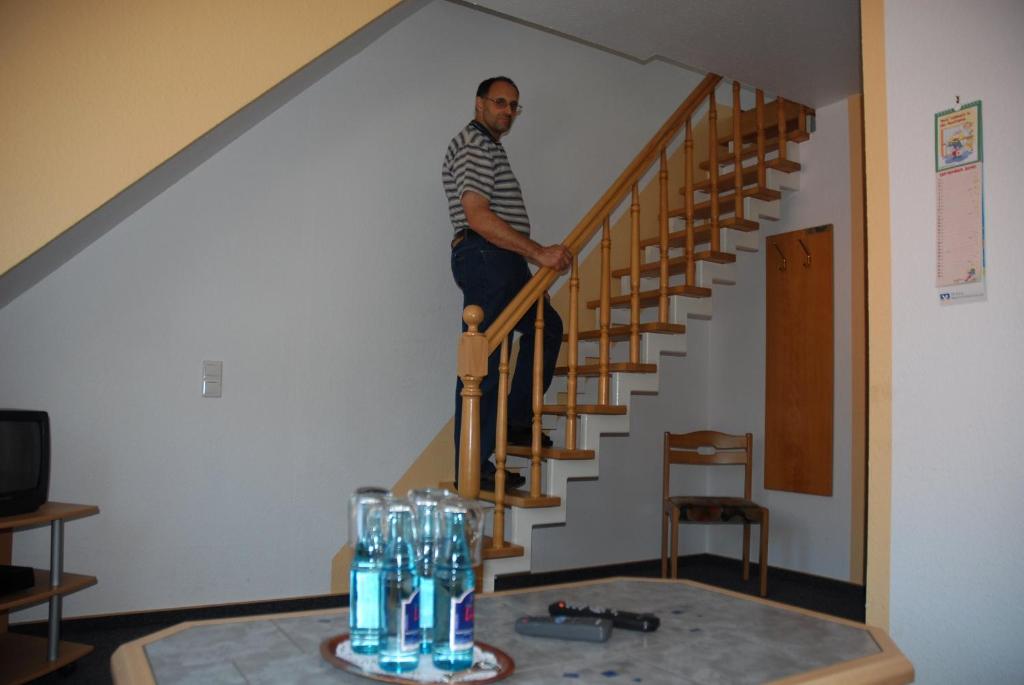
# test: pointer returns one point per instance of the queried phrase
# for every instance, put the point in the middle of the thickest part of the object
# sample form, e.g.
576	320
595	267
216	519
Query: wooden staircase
641	308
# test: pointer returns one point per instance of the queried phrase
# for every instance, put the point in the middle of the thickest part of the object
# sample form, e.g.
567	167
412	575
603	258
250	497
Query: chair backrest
707	448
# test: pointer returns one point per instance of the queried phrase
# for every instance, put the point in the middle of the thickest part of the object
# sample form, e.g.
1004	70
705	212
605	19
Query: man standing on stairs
490	250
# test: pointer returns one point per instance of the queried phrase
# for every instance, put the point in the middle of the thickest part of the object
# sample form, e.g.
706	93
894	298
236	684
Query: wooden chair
709	448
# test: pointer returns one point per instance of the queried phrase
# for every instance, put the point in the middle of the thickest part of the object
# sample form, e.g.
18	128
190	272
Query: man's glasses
502	103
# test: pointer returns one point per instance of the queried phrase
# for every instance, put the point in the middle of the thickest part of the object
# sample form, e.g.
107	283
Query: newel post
472	367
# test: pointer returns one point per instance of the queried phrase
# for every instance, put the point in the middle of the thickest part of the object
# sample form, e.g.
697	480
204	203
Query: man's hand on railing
556	257
497	231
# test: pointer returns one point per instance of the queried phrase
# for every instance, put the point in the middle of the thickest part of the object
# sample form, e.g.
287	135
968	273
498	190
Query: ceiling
807	50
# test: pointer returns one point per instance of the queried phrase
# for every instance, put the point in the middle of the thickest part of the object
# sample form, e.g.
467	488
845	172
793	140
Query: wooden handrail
604	207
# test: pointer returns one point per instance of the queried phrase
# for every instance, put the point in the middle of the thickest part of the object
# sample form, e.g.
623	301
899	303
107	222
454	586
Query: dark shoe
513	480
523	436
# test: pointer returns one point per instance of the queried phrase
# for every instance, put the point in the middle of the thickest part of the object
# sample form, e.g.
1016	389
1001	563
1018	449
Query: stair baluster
472	367
737	153
538	397
604	375
761	175
781	114
713	168
634	277
663	237
574	332
691	266
500	450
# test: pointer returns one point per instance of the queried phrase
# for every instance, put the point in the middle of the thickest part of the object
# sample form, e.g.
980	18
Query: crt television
24	460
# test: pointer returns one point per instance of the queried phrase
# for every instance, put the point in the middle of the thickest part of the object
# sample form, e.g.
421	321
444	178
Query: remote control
645	623
582	628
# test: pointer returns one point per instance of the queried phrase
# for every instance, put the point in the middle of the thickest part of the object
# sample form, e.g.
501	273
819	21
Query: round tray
329	647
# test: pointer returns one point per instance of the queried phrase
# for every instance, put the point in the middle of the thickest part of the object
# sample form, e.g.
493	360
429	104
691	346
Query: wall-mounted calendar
960	226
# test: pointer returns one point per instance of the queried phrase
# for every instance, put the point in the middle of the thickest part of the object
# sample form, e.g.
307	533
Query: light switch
213	373
211	388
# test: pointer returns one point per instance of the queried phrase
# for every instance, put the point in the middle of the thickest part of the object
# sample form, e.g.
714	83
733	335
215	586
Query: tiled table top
706	636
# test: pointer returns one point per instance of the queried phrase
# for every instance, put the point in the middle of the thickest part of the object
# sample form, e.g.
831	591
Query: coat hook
784	263
807	253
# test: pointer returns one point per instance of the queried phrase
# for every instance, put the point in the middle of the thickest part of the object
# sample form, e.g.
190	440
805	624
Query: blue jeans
490	277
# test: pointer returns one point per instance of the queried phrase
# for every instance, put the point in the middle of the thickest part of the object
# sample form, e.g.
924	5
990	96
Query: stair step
748	121
622	332
650	297
677	265
507	551
599	409
770	145
702	233
559	453
749	177
715	257
513	498
726	203
614	367
745	225
522	499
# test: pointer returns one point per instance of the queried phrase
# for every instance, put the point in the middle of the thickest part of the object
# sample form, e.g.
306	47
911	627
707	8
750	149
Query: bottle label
367	610
410	636
426	603
460	627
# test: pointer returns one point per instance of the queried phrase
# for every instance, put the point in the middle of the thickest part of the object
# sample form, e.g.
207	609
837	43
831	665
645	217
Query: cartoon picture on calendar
957	137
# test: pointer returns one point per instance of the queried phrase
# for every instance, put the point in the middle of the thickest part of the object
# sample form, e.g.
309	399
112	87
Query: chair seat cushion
715	509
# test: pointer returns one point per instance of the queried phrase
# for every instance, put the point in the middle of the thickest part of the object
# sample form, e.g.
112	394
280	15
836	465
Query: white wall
957	473
808	533
311	256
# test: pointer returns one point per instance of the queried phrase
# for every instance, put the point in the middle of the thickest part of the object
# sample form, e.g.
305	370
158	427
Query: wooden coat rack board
799	367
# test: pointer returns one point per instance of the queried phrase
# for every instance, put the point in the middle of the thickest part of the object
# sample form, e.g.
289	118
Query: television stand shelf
24	658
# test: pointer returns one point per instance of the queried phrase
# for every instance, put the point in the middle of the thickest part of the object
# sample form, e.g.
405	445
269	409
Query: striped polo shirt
476	161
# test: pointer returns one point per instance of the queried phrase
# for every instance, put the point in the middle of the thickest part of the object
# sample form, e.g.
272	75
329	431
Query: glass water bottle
399	598
425	502
454	582
366	538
